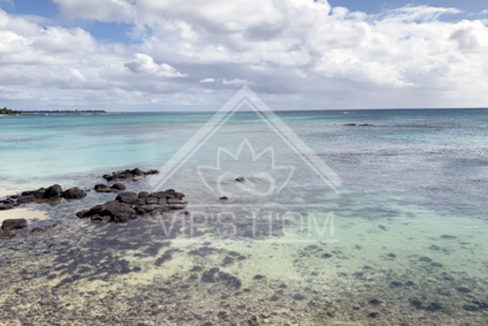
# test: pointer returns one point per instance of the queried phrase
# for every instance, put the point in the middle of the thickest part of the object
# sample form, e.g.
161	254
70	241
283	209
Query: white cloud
145	64
235	81
302	53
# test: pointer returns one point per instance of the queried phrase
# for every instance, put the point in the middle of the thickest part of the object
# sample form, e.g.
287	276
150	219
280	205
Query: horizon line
243	111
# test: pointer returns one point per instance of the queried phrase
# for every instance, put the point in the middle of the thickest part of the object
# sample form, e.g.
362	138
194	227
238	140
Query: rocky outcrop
134	174
129	206
53	193
106	188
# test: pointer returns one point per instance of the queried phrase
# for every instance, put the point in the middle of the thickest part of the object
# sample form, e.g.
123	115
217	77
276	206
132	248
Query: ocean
392	232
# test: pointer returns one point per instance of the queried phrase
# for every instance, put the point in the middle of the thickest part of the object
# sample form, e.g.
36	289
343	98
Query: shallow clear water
409	222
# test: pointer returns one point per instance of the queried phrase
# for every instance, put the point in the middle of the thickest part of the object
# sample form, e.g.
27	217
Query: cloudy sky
193	54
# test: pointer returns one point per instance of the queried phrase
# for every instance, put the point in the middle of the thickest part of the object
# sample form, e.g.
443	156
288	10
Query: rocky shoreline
129	206
125	207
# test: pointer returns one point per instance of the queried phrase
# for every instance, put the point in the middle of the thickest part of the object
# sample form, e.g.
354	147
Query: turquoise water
408	245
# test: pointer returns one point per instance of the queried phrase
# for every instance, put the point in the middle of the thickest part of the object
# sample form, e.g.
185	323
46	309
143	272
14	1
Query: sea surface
391	232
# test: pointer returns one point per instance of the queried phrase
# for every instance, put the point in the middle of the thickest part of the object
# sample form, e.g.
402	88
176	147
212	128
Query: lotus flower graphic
226	177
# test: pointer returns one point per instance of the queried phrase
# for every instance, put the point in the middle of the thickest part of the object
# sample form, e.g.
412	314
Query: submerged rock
6	235
434	306
374	302
214	275
14	224
299	297
134	174
39	230
395	284
358	125
448	236
425	259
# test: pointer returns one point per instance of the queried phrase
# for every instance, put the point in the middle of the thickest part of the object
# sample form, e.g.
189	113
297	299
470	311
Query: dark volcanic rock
14	224
26	199
116	187
117	212
53	192
6	206
129	205
74	193
103	188
127	197
134	174
39	193
151	200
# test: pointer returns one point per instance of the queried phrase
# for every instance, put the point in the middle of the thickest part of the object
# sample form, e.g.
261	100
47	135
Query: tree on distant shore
8	111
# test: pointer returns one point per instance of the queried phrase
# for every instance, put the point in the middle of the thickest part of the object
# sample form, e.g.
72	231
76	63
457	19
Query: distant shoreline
17	113
62	111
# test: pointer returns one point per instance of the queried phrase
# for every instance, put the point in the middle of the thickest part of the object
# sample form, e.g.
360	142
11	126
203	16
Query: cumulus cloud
145	64
297	53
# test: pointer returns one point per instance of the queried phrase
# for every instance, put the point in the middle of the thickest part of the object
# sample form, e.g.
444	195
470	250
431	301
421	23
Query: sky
150	55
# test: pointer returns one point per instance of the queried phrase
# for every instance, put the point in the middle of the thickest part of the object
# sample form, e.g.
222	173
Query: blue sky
373	6
171	54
